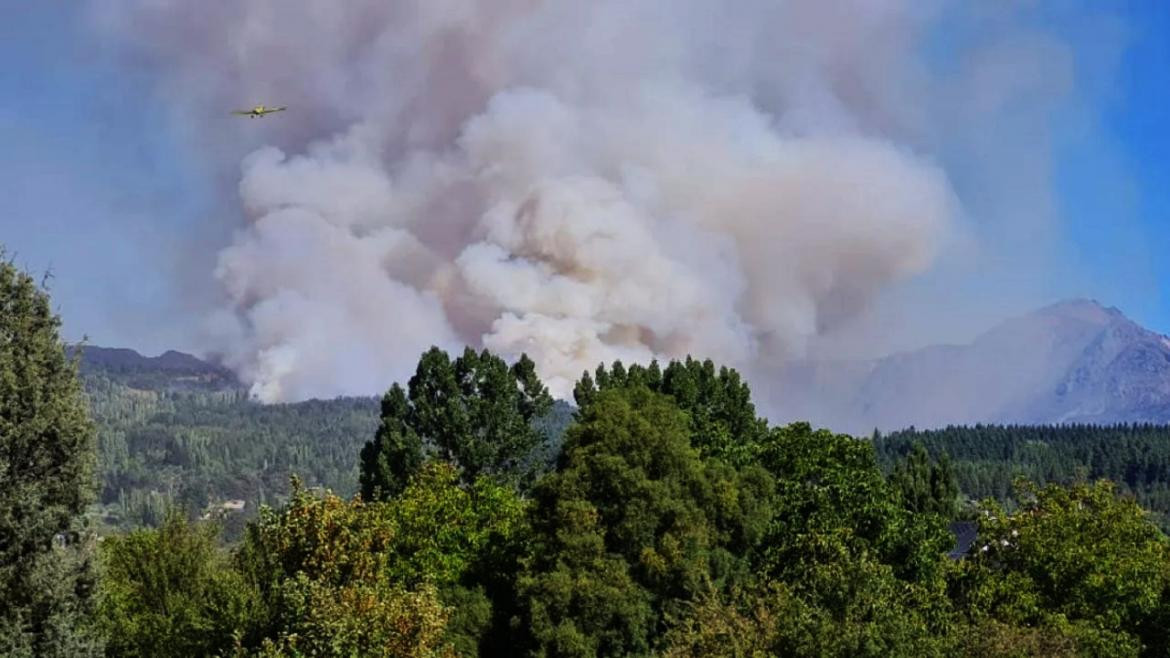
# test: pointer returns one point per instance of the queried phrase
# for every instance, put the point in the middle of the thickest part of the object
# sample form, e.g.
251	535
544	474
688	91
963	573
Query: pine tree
395	453
47	455
475	412
926	487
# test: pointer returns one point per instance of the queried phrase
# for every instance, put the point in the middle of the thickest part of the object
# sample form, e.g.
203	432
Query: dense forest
986	459
165	443
665	518
198	450
188	436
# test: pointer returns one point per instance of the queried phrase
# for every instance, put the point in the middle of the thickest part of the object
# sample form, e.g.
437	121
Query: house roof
965	533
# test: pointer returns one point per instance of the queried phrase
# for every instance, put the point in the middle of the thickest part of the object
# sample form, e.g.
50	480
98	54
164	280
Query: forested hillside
987	458
177	431
201	449
667	520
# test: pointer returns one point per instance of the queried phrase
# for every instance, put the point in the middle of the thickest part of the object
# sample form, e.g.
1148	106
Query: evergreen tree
926	487
985	459
475	411
395	453
46	466
632	526
722	417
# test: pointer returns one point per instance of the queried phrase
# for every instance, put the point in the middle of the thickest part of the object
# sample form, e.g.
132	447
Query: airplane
258	111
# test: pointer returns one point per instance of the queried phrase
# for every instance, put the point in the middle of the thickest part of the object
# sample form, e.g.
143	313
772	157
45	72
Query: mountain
169	371
1073	362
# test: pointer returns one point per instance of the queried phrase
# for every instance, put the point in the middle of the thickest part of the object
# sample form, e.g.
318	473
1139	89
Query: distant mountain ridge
1076	361
169	371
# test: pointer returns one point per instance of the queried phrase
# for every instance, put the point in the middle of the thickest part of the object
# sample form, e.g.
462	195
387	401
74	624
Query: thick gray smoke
581	181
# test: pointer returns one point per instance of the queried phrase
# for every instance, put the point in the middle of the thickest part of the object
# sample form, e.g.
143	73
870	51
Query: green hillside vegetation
170	445
197	450
987	459
673	522
164	441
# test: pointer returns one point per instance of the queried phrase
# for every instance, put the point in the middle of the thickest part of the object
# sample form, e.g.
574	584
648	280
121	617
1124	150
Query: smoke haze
589	181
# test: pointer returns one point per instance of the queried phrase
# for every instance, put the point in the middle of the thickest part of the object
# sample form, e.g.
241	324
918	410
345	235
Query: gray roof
965	534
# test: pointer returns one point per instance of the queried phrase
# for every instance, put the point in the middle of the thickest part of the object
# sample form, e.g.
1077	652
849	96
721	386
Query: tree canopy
46	479
475	412
721	417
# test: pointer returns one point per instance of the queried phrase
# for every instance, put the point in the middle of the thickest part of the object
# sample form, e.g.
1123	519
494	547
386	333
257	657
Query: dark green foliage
632	525
722	418
396	452
1075	558
986	459
58	620
195	450
169	592
672	521
475	411
861	575
551	426
834	502
46	479
926	487
471	619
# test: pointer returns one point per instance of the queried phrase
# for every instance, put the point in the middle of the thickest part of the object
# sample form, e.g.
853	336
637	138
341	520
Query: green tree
396	452
475	411
169	592
442	529
46	466
465	541
862	575
722	418
1078	558
633	525
321	568
833	501
926	487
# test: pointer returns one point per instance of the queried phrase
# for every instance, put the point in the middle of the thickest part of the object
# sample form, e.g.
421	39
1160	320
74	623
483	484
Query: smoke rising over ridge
578	181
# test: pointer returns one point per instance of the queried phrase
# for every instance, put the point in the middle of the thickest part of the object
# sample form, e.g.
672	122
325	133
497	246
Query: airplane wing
241	112
277	109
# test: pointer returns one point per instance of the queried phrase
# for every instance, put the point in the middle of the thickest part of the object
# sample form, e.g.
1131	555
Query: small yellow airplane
259	111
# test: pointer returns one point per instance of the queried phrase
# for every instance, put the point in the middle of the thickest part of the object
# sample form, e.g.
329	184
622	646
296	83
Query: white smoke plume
581	181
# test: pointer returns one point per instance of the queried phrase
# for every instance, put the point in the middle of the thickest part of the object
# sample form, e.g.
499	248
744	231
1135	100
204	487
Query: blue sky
90	187
1114	188
94	184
